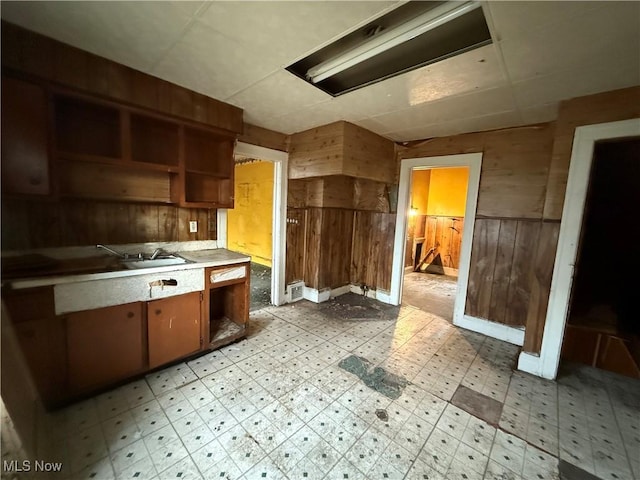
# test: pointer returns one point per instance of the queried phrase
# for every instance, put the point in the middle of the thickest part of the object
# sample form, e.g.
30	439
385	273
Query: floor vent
295	291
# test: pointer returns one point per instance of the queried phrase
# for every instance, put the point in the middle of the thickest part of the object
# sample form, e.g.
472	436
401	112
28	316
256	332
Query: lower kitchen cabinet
174	326
41	338
104	345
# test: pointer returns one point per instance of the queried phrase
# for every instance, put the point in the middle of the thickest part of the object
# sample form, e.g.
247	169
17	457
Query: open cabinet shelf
83	179
87	128
104	150
228	303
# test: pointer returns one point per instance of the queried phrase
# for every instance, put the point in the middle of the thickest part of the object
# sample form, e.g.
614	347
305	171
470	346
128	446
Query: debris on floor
260	286
352	306
377	378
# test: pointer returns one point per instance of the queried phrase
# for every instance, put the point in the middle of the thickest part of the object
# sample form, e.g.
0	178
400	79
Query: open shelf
154	141
227	302
206	152
87	128
108	181
208	189
133	155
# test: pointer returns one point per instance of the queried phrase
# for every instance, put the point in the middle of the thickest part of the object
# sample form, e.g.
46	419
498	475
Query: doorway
249	223
473	162
602	327
279	160
546	363
434	238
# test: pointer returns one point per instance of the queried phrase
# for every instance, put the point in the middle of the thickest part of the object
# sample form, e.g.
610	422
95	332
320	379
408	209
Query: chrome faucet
157	252
113	252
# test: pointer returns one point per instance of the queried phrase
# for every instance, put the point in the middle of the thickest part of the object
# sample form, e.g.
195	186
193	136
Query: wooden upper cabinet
208	166
154	141
25	153
109	151
85	128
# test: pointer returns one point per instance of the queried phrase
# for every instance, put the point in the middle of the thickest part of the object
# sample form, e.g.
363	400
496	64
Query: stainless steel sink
156	262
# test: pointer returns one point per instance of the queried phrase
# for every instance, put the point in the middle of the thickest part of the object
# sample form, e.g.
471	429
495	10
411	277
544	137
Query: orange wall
440	191
249	222
448	191
420	190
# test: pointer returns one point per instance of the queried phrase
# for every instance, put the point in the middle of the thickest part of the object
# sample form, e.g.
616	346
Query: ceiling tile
475	104
456	127
268	97
513	18
136	34
212	64
286	31
301	120
611	74
590	38
540	113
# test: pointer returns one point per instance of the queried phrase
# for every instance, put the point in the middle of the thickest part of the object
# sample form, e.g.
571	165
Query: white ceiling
543	52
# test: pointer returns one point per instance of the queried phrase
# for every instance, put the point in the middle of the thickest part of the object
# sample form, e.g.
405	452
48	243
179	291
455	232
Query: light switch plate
193	226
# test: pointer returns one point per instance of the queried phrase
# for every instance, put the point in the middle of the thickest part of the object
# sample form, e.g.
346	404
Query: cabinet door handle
130	314
158	311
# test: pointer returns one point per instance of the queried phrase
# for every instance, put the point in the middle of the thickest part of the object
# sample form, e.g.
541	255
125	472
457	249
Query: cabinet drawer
225	274
75	297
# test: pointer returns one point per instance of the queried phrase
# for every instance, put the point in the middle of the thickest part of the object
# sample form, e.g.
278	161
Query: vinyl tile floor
277	405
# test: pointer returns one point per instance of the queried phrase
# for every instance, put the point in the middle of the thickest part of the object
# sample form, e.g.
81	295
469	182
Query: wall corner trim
500	331
530	363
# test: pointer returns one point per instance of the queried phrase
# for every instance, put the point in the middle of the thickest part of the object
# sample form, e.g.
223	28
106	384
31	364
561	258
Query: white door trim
279	217
471	160
546	365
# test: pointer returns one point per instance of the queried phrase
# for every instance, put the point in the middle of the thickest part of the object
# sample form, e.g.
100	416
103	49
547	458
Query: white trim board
279	217
497	330
471	160
546	365
319	296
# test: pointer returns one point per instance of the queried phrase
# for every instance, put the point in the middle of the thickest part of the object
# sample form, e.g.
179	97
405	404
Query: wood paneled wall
338	191
515	165
264	137
330	247
295	251
444	236
502	260
341	148
33	54
373	235
40	224
318	250
600	108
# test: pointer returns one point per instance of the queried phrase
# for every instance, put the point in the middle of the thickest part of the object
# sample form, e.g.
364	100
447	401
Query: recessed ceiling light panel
414	35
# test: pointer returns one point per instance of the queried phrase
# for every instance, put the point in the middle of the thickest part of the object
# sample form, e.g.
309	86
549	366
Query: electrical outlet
193	226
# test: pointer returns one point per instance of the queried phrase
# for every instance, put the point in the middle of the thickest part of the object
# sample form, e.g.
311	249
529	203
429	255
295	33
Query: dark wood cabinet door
41	338
25	154
104	345
174	327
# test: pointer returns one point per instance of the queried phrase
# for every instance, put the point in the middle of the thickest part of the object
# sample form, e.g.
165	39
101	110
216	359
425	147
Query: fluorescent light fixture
390	38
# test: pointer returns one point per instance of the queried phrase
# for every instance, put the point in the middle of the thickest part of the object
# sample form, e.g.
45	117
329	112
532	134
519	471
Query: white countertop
198	259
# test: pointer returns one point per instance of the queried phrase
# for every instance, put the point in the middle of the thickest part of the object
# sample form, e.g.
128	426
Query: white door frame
546	364
279	217
474	162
